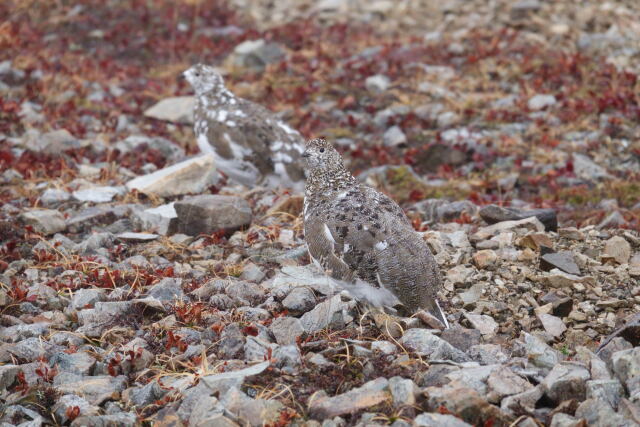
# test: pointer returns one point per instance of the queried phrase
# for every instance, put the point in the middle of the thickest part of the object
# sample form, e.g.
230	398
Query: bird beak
306	155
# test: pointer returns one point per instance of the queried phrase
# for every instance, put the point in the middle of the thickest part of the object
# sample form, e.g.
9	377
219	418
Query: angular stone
535	241
438	420
137	237
610	391
567	380
300	300
394	137
485	324
403	391
161	219
618	249
177	109
208	214
167	290
370	394
504	382
539	353
485	258
626	366
493	214
461	338
96	389
427	344
598	413
189	176
561	260
98	194
377	84
121	419
586	169
552	324
332	313
541	101
45	221
67	402
467	404
564	420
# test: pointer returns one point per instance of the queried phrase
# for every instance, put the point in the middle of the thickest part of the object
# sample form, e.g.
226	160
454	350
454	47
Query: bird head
204	78
319	155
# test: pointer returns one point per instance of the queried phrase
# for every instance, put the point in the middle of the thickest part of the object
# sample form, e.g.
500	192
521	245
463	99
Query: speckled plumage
250	144
356	233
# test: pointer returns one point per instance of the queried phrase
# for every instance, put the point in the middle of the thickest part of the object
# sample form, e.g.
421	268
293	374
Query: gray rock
618	249
384	347
332	313
252	273
67	402
598	413
504	382
403	392
123	419
221	383
567	380
474	377
522	402
562	260
231	343
143	396
79	362
552	324
161	219
86	298
8	375
251	412
98	194
96	320
286	330
167	290
461	338
45	221
586	169
167	148
377	84
300	300
257	54
425	343
493	214
177	109
438	420
626	366
539	353
304	276
610	391
482	322
564	420
245	292
54	142
370	394
31	349
18	333
53	196
207	214
137	237
540	101
96	389
287	358
394	136
190	176
94	216
487	354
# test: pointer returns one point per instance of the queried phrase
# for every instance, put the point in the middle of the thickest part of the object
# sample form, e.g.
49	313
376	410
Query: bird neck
322	181
217	97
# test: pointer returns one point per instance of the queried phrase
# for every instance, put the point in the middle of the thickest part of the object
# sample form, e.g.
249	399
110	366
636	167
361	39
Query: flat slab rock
207	214
370	394
493	214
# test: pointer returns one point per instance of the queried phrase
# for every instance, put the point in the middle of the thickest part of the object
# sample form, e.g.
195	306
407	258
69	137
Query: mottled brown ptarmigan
360	236
249	143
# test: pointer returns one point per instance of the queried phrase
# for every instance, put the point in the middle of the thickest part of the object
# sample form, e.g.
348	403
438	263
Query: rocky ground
138	286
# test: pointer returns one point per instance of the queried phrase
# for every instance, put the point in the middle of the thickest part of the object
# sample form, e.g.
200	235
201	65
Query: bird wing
374	239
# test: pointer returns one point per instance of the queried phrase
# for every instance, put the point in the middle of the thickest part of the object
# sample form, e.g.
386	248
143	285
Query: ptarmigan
250	145
361	236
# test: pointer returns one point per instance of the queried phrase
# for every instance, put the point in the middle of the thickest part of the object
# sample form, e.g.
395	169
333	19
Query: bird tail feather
437	311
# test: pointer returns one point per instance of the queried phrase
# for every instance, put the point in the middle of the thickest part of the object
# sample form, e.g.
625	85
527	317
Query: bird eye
322	150
197	74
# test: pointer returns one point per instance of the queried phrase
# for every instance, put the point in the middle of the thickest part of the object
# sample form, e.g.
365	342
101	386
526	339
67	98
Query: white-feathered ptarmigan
360	236
249	143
